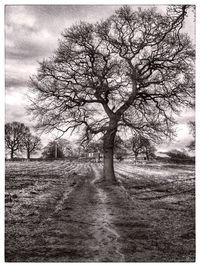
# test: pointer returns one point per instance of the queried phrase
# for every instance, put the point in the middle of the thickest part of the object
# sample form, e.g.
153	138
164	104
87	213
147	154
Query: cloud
16	102
16	97
182	139
29	45
16	112
17	75
26	39
187	116
11	83
32	33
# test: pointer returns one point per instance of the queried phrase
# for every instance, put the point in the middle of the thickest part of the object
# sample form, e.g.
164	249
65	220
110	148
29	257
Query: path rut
110	246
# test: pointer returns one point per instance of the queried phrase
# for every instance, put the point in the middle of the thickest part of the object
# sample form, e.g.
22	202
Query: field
59	212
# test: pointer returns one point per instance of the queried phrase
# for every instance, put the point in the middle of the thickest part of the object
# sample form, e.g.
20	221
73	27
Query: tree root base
102	181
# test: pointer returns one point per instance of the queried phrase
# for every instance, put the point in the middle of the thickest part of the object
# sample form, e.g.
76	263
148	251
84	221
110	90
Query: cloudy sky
32	33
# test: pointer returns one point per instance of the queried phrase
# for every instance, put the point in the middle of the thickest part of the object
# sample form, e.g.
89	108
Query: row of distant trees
140	146
18	138
59	148
137	144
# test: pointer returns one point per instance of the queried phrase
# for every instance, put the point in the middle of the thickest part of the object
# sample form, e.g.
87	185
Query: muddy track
105	231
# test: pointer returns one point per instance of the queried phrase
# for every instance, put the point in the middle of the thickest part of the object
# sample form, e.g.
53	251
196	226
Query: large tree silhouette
134	69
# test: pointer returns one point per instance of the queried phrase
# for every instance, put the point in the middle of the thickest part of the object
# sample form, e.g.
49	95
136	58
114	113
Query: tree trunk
56	150
147	154
108	170
108	148
28	154
12	154
98	156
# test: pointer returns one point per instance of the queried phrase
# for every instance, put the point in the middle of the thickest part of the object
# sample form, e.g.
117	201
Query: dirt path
73	225
84	221
105	232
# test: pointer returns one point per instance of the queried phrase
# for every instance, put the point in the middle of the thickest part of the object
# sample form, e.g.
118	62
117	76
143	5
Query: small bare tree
31	143
138	143
133	70
141	144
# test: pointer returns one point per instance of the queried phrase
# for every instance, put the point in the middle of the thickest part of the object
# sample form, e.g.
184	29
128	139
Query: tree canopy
134	69
53	151
141	144
14	136
31	143
59	148
19	138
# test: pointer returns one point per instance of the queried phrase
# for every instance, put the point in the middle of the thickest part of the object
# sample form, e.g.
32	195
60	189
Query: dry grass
54	212
162	199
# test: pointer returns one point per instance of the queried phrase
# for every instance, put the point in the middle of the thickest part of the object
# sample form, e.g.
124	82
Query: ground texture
59	212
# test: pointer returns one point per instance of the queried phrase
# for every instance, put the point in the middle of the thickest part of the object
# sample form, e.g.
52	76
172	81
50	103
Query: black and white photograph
100	133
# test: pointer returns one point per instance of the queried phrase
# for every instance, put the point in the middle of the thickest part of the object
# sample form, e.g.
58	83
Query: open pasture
58	211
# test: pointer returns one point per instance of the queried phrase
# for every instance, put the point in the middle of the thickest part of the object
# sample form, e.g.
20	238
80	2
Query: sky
32	33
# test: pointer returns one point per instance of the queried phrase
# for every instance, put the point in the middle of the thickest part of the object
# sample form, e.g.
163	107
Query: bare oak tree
31	143
14	136
138	144
134	69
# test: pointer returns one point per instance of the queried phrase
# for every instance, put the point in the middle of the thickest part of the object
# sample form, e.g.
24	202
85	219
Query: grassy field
59	212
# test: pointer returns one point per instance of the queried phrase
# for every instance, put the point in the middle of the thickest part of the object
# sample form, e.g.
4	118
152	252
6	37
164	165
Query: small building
95	156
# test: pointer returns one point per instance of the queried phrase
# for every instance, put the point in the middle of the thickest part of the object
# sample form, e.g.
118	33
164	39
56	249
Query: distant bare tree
120	150
141	144
31	143
14	136
134	70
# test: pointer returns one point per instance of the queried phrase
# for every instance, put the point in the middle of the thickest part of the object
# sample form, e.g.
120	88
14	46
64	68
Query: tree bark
147	154
108	148
108	170
12	154
28	154
56	150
